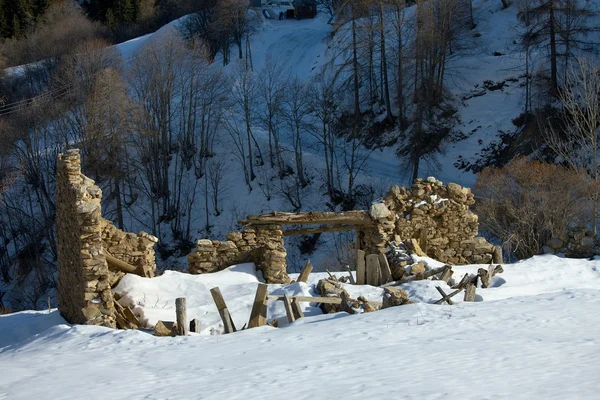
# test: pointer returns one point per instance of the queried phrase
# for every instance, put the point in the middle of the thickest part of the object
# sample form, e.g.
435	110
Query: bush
526	203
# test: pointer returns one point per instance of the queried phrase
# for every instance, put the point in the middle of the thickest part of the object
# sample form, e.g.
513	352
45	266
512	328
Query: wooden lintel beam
310	231
115	263
310	218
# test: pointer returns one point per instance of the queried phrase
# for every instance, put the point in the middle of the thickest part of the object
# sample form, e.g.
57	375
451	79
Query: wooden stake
446	274
195	325
181	313
333	277
288	308
352	281
228	324
484	276
297	309
386	272
446	298
470	292
360	267
373	270
258	316
303	277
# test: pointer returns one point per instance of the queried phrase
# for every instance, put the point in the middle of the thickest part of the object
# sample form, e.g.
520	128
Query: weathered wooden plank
470	292
425	275
310	299
228	324
303	277
115	263
287	303
484	276
181	313
310	231
445	296
446	274
360	267
463	282
373	270
195	325
258	316
310	218
297	308
386	272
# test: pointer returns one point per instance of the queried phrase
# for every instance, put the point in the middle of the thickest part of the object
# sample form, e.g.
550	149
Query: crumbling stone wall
84	292
134	249
577	243
263	245
435	214
83	239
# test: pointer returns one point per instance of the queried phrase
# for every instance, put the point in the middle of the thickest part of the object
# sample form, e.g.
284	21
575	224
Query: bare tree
296	111
576	143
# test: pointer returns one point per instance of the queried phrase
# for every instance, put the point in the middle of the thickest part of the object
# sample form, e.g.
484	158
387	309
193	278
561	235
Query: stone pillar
84	293
272	262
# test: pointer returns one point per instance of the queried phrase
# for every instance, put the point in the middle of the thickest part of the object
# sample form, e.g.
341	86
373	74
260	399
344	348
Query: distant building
305	8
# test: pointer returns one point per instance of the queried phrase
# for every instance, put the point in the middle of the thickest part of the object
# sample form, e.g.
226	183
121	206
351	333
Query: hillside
532	336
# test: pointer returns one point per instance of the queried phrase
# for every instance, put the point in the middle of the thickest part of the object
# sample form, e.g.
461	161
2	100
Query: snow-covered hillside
534	336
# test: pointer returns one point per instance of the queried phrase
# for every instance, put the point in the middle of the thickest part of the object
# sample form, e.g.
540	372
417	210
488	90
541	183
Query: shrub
526	203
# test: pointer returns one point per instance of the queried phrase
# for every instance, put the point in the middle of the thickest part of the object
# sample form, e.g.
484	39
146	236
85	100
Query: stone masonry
434	214
84	277
262	245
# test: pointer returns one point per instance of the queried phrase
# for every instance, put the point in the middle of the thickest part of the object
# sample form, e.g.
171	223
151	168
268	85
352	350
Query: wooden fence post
288	308
297	309
373	270
303	277
386	272
470	292
223	311
195	325
258	316
180	311
360	267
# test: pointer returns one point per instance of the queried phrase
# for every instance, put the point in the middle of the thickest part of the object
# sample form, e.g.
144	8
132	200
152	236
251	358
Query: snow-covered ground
534	336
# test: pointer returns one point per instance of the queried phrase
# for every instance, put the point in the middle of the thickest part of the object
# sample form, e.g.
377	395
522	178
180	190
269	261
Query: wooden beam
310	231
115	263
446	297
360	267
309	299
303	277
258	316
287	303
470	292
297	308
425	275
228	324
310	218
373	270
352	281
181	313
446	274
386	272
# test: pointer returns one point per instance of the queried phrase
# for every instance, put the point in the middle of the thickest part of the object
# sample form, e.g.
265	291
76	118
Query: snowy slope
538	340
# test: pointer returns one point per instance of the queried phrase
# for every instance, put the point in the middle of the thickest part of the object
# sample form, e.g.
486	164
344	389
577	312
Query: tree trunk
553	55
386	86
355	71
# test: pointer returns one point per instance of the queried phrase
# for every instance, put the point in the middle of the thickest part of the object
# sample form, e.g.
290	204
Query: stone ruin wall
262	245
436	215
84	277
